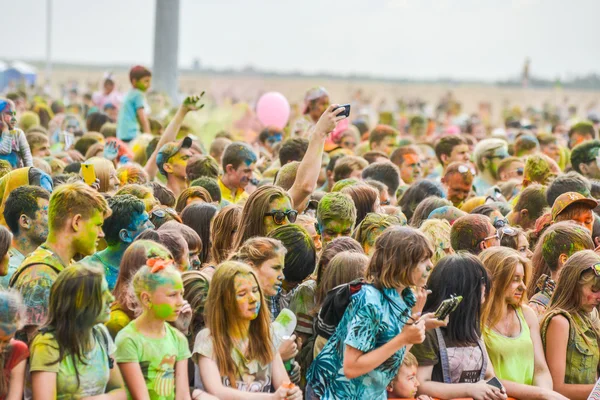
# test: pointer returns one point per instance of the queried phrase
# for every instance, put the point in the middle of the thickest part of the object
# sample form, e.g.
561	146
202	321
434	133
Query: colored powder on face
257	307
162	311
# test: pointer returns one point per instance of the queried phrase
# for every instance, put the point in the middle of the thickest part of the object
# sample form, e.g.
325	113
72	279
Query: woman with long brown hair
222	231
198	216
511	330
71	357
235	352
569	333
266	209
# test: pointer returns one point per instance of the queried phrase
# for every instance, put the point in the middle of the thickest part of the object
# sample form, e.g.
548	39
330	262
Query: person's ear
229	169
485	162
597	241
76	222
24	222
444	159
145	299
584	168
482	245
125	236
168	168
562	259
443	180
523	214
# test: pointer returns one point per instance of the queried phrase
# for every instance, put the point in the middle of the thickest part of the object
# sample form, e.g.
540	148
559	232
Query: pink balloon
273	110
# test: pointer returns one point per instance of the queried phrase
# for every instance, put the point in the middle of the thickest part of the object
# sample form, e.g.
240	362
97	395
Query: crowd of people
310	261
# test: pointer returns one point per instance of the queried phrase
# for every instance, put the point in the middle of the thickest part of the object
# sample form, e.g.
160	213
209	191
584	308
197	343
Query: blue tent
19	73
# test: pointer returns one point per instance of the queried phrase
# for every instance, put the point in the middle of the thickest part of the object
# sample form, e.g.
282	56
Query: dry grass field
250	86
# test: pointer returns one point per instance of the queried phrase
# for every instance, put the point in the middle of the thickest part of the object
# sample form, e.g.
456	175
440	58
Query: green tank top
512	357
583	354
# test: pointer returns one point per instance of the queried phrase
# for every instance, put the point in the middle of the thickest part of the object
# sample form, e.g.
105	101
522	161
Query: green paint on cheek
162	311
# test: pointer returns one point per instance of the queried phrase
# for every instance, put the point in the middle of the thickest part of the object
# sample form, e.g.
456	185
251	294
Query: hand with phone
447	306
329	120
88	173
484	391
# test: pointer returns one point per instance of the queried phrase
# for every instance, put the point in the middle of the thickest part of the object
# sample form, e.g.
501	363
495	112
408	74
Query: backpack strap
16	275
104	344
443	356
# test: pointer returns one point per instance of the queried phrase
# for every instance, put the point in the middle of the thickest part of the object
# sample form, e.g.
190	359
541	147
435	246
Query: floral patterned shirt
372	319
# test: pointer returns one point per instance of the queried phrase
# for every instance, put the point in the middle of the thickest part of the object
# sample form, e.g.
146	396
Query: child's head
159	289
10	317
8	113
140	78
405	384
394	266
5	242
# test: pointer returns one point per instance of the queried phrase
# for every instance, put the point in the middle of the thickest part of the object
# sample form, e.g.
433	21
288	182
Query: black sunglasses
279	216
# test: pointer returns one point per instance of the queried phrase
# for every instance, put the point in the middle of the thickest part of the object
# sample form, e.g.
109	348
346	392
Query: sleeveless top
583	354
513	358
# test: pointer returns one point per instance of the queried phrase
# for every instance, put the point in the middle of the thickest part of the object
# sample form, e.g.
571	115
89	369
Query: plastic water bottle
283	328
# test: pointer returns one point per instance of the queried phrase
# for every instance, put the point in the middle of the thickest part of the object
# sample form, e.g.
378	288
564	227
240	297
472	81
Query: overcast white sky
469	39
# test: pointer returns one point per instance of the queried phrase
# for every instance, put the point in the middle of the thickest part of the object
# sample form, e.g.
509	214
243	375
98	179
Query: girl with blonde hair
510	328
235	353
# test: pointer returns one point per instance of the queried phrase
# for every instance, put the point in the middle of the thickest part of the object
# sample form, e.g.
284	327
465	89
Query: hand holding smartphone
346	111
88	173
447	307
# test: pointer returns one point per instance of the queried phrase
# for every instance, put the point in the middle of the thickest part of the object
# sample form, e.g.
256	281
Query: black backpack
334	306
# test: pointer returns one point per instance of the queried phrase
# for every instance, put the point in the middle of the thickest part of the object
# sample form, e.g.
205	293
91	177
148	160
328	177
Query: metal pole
166	48
48	40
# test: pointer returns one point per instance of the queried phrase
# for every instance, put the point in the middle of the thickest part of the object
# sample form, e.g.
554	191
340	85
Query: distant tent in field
17	72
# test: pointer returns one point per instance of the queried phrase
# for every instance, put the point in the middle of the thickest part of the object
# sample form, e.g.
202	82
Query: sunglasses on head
520	171
506	230
162	212
279	216
596	269
463	169
500	223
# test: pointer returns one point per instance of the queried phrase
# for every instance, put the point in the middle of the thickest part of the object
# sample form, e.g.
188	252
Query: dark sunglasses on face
279	216
385	203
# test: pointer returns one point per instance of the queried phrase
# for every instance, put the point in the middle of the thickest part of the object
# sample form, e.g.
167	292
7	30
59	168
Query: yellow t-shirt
118	320
230	196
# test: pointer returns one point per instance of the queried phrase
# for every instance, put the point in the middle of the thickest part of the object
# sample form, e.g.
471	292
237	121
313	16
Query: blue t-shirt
128	125
370	321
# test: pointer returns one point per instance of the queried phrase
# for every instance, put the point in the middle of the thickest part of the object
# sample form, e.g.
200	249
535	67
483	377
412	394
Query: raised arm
310	166
170	134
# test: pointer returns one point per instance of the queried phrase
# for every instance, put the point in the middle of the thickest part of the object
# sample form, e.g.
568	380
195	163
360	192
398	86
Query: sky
462	39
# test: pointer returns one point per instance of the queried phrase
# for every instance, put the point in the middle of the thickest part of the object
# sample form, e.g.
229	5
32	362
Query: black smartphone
447	306
495	383
346	111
